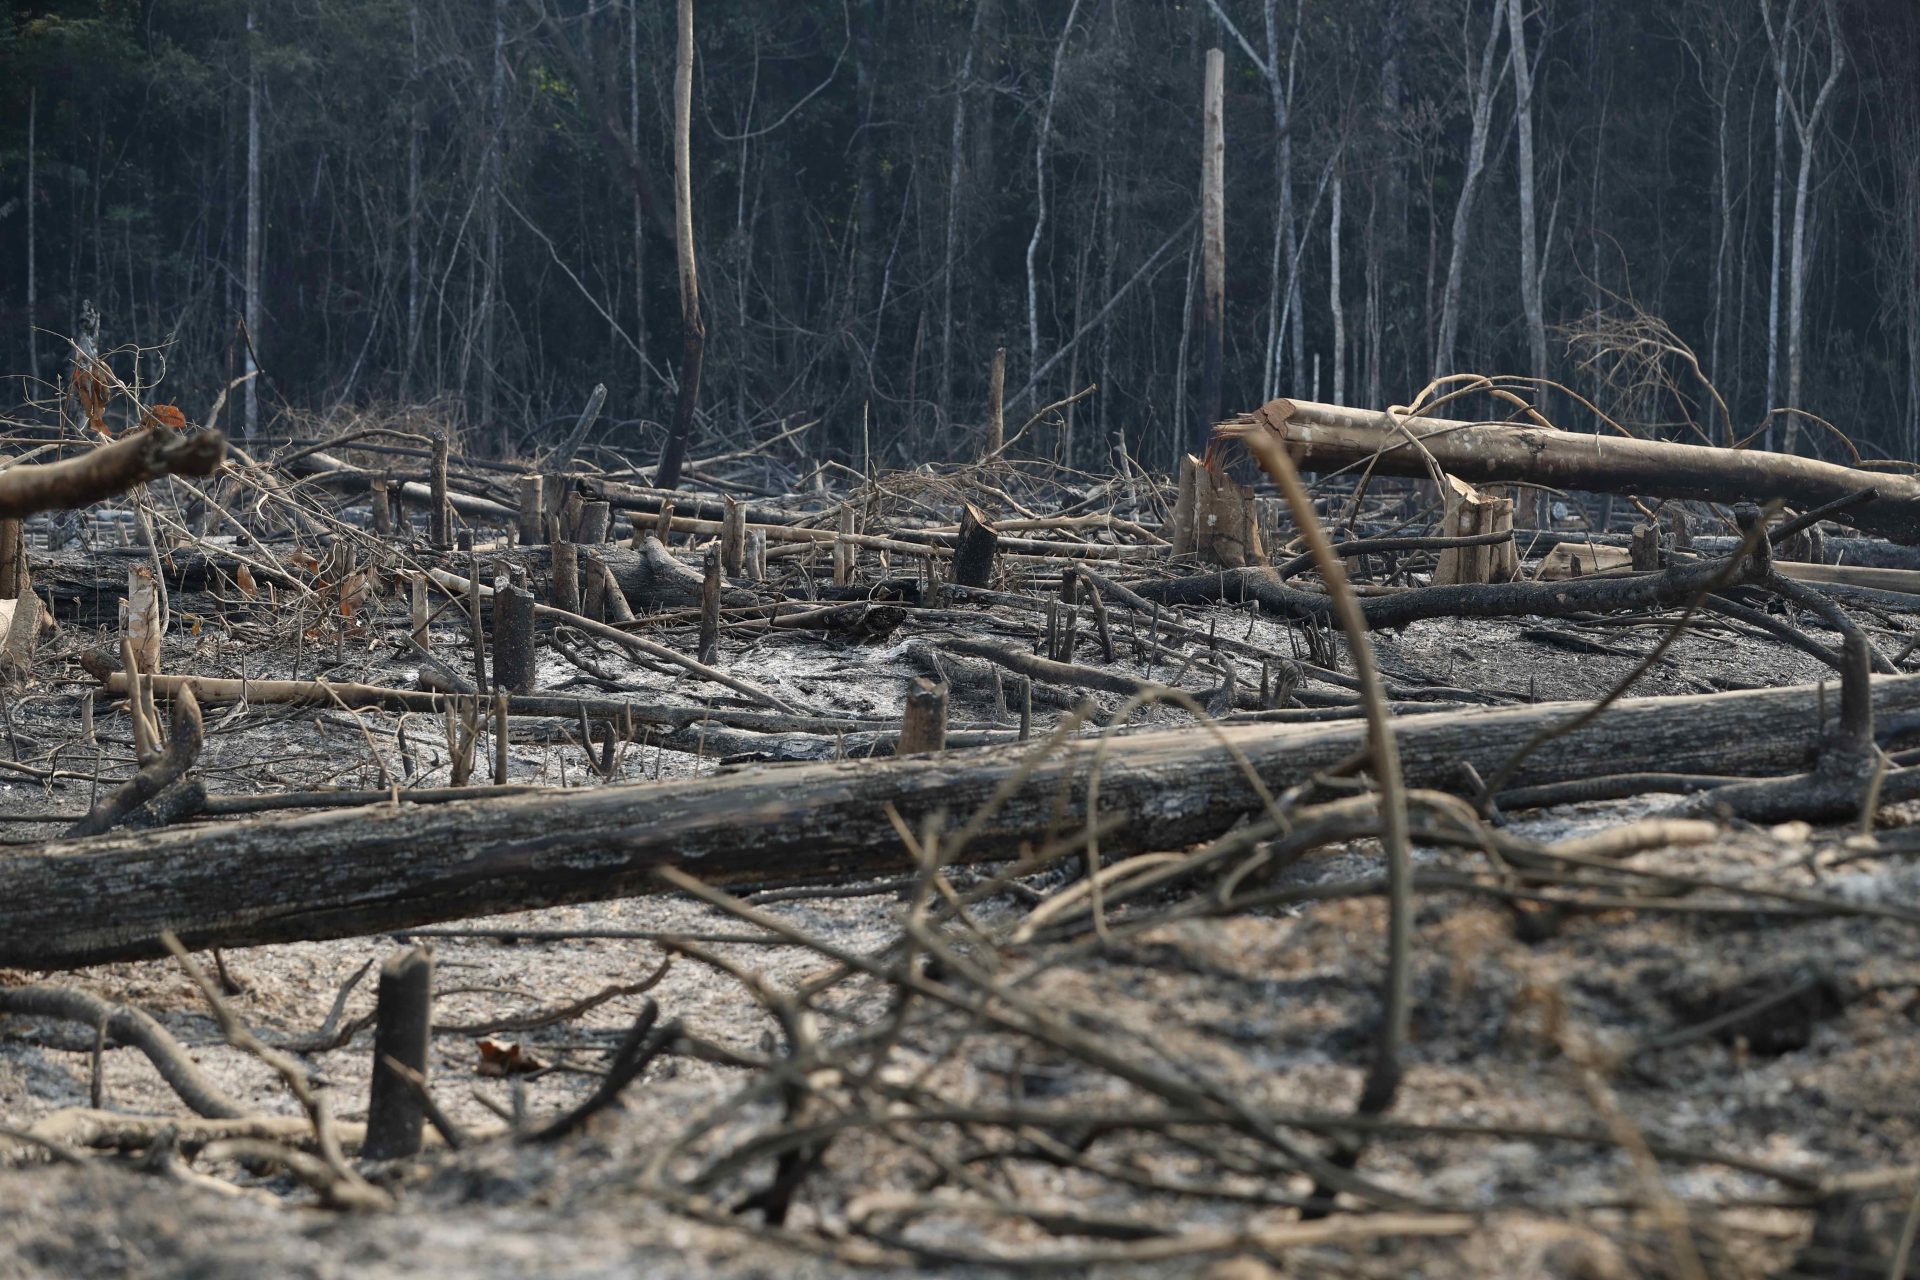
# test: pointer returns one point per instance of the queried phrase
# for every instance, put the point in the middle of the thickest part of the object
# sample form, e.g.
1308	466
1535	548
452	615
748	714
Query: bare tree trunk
694	349
1177	436
413	205
1806	126
639	207
1375	320
956	149
1040	149
1334	302
1773	268
1722	211
1483	90
1213	244
1281	94
490	287
250	392
33	291
1531	279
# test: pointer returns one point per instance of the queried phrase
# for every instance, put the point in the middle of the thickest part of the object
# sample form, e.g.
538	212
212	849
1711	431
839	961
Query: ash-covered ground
1583	1096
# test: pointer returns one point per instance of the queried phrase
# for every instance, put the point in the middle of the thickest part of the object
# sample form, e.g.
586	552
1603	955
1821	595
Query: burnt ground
1673	1116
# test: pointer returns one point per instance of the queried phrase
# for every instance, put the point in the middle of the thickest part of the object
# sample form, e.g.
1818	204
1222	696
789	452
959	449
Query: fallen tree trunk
361	871
215	690
1326	436
111	469
1675	586
333	473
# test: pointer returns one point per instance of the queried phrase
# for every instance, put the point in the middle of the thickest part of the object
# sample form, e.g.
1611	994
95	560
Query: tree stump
1214	518
974	550
1470	512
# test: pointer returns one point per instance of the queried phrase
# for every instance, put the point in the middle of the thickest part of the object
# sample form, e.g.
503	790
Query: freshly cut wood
1470	512
21	622
1326	436
363	871
146	623
1213	517
1578	559
28	487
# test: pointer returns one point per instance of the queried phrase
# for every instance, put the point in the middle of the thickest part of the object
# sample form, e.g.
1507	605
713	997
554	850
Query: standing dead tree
693	351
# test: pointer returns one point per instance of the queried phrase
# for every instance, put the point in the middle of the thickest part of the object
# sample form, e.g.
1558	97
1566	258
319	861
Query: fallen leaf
498	1059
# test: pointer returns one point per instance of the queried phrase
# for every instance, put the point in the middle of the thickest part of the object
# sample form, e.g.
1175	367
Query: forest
1131	638
471	206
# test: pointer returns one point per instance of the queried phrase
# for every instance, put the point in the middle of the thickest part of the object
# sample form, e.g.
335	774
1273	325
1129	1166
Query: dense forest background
469	203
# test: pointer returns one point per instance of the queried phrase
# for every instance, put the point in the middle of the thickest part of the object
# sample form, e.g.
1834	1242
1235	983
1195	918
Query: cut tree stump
353	872
1214	518
1470	512
974	549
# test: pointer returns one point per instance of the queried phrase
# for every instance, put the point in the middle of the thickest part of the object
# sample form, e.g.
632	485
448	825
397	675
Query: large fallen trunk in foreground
343	873
1326	436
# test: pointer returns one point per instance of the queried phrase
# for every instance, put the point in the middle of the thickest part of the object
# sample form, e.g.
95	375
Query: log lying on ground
1859	553
1326	436
361	871
651	577
1675	586
215	690
30	487
343	477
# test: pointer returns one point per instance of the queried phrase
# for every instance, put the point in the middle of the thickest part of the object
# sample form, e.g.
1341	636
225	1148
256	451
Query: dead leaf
498	1059
91	389
168	416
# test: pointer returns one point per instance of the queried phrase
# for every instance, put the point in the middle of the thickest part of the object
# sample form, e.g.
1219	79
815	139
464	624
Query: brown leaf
498	1059
168	416
91	389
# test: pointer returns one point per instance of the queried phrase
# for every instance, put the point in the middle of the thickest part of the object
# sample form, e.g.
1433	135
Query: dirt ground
1517	1028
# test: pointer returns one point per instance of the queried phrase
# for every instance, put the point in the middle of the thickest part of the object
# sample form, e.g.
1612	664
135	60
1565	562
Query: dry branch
29	487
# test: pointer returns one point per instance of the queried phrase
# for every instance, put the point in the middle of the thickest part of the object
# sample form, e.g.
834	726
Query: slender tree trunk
956	149
1280	90
1335	303
1178	433
1041	146
1809	131
1483	91
33	290
1531	280
1375	322
250	392
694	348
1773	268
1213	246
1723	228
414	126
639	207
490	284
